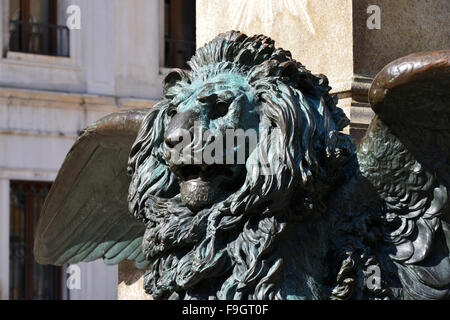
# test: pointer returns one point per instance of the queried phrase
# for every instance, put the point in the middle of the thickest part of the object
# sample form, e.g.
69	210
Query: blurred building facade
349	41
54	81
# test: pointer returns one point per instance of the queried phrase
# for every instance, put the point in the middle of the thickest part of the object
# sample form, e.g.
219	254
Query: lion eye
219	110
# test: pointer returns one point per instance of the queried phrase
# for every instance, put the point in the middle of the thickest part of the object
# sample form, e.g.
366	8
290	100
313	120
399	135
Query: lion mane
232	250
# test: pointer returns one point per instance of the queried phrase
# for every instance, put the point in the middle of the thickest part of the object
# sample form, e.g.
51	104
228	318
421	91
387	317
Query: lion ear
288	69
173	77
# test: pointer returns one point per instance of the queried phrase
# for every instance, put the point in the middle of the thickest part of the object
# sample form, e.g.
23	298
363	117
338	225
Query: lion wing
85	216
405	155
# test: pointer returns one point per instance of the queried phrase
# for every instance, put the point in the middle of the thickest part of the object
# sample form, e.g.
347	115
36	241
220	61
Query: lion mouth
202	185
203	172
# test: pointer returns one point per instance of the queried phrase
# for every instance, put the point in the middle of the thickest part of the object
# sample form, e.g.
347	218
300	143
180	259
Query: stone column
332	37
4	239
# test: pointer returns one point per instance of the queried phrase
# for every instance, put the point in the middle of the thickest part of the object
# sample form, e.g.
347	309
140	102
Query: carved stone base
131	282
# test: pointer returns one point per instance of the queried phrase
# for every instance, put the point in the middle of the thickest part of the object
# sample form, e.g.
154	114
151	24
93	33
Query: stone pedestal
329	37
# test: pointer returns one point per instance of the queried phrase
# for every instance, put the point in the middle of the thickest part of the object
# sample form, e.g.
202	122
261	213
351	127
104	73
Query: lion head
213	229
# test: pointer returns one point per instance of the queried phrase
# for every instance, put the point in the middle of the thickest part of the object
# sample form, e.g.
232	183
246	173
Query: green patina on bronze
313	229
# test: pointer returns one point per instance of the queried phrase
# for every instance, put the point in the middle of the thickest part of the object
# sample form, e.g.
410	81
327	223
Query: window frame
73	63
31	191
48	32
162	41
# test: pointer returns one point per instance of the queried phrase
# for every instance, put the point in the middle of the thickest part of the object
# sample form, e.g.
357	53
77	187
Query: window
33	28
28	279
179	32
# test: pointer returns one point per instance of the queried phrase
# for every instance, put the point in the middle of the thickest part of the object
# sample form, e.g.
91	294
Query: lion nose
179	127
174	137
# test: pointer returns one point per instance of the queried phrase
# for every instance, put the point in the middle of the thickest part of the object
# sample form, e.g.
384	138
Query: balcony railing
178	52
39	38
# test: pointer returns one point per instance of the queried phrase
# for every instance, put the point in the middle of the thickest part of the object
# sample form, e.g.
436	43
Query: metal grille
29	280
39	38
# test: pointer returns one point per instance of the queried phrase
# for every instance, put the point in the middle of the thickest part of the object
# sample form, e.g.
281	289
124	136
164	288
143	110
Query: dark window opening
28	279
33	28
179	32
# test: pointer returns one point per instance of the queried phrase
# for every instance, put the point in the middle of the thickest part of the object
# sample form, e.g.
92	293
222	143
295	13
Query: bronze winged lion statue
304	214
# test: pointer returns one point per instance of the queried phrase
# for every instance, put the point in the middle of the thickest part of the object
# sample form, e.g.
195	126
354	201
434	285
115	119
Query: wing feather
85	216
406	156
